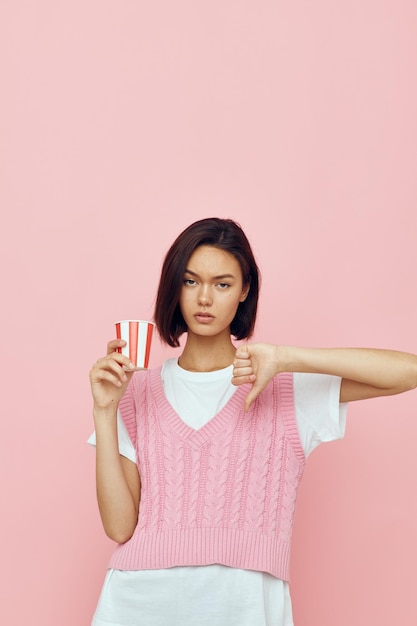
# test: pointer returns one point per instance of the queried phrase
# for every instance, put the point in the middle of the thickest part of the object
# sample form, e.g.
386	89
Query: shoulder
168	367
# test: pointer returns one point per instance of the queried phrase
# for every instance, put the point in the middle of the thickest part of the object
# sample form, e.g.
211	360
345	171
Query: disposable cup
138	337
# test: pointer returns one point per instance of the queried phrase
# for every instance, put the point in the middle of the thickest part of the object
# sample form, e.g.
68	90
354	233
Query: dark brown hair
224	234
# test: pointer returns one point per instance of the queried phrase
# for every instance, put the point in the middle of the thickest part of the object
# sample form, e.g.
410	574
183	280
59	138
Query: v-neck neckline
225	420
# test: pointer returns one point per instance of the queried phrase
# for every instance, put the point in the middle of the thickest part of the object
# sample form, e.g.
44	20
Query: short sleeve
320	415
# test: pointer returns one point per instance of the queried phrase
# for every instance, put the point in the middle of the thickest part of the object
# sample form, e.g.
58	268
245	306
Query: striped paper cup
138	337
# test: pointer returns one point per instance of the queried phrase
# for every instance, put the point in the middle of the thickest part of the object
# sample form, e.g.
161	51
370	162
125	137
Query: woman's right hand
108	379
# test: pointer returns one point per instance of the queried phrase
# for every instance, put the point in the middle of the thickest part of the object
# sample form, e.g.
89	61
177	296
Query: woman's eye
224	285
189	281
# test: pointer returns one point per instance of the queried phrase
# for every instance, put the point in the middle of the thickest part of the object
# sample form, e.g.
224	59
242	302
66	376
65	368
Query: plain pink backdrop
121	123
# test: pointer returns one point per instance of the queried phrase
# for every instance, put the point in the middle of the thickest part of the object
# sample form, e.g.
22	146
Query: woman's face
211	292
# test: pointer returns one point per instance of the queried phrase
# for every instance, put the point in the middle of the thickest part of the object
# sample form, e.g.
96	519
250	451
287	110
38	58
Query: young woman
199	461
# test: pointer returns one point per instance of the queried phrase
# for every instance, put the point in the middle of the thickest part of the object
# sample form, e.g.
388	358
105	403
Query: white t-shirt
215	595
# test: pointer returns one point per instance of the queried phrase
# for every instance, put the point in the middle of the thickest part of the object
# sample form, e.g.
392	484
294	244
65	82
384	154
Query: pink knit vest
222	494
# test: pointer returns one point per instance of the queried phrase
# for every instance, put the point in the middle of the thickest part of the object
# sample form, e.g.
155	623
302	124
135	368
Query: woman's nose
204	297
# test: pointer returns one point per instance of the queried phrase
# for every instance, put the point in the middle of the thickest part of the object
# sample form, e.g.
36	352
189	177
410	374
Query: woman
199	461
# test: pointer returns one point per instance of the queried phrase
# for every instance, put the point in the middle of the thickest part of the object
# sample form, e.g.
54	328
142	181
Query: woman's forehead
213	260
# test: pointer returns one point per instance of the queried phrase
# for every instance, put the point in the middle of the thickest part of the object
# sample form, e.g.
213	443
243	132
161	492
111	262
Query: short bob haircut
224	234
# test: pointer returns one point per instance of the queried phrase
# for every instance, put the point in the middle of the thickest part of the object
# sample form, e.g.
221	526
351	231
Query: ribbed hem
286	406
203	546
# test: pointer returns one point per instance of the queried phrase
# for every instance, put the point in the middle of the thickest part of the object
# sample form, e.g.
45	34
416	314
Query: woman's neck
205	354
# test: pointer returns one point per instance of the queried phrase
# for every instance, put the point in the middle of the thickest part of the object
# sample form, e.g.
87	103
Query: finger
243	380
242	371
114	344
242	352
113	363
120	358
242	363
105	376
114	349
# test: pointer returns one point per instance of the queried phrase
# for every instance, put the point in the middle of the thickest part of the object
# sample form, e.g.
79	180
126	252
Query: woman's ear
244	293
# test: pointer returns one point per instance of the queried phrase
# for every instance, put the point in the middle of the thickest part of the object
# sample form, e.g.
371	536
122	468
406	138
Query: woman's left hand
255	364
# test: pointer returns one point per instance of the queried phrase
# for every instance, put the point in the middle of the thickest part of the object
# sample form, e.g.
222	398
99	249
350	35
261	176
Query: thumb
251	396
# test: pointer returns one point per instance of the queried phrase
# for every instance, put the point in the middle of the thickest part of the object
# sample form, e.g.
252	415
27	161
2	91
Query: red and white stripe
138	337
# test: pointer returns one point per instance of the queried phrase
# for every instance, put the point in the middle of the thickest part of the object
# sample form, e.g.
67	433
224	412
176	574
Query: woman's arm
117	481
117	478
366	373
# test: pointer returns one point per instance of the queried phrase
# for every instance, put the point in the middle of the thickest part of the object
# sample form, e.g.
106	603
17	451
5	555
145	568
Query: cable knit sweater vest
222	494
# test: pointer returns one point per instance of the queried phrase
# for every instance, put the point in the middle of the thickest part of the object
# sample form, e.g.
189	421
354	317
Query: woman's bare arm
366	372
117	478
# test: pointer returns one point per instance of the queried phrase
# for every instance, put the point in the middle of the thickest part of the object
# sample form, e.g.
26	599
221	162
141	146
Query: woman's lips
203	318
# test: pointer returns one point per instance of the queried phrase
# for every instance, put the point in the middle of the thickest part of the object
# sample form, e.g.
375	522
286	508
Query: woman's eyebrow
220	277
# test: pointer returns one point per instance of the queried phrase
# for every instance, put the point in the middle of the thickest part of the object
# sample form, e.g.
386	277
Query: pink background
121	123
